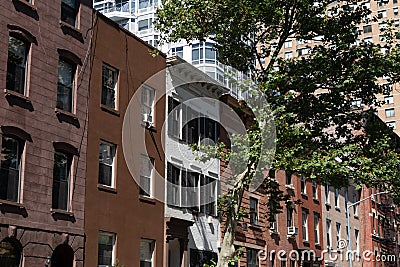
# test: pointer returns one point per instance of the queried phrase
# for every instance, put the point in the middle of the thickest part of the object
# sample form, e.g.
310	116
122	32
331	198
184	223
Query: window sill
61	212
337	208
11	204
15	98
306	242
106	188
355	216
328	204
316	200
255	225
109	110
150	127
71	30
304	195
147	200
26	8
66	116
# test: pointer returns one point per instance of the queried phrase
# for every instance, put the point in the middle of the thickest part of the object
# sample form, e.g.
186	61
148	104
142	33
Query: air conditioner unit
293	230
147	118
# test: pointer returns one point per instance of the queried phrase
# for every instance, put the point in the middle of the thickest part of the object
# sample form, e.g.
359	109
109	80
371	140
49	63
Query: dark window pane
61	174
16	64
11	152
106	163
109	87
69	11
66	74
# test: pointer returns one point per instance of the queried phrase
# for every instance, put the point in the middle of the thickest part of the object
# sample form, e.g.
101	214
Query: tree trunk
227	248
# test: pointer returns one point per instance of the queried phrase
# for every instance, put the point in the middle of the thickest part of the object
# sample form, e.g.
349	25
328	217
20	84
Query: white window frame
316	228
391	124
113	236
114	87
390	112
288	44
329	233
303	185
151	92
337	202
304	224
113	151
143	176
152	243
389	99
338	233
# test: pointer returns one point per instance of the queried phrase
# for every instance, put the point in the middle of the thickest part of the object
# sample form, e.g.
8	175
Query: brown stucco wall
31	222
121	210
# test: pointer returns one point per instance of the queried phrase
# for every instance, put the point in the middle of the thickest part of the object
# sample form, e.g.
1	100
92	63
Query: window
382	38
389	112
336	198
173	178
10	168
288	44
197	54
356	233
251	257
389	100
174	119
190	190
106	164
199	258
382	3
145	3
147	104
327	200
146	176
367	28
61	178
272	259
314	189
253	210
69	11
316	227
292	263
146	252
328	233
283	263
65	87
304	225
144	24
109	88
288	55
208	195
381	14
289	217
17	64
355	209
177	51
106	245
396	11
338	232
394	1
303	185
303	51
288	178
391	124
274	224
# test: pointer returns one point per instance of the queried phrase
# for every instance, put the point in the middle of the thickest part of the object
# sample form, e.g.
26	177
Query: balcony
117	12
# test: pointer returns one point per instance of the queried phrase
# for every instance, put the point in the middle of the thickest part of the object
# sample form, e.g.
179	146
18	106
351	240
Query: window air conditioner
293	230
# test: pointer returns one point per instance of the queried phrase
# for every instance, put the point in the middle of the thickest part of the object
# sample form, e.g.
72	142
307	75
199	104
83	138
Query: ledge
71	31
147	200
17	99
26	8
12	204
68	117
110	110
63	215
7	206
63	212
106	188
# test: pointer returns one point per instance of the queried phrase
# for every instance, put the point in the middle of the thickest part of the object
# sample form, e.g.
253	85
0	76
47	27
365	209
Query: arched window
63	256
10	253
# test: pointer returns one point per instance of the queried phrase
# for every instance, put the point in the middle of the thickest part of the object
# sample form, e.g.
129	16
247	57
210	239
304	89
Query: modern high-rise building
138	17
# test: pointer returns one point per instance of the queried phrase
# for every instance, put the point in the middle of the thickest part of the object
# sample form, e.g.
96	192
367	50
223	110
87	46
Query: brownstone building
44	81
124	223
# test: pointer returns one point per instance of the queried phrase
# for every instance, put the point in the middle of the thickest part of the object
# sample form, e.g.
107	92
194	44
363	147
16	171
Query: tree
321	133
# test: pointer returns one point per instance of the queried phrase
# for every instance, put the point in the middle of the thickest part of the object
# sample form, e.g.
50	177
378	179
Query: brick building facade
44	81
